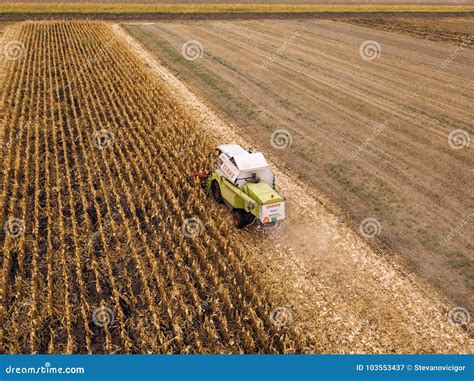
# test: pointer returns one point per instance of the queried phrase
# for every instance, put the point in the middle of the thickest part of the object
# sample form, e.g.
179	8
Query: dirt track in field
343	295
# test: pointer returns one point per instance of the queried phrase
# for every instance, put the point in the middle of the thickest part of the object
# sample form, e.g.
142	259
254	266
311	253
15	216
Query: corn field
109	245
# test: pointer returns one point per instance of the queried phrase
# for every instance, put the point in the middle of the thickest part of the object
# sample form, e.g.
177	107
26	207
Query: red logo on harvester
273	206
227	170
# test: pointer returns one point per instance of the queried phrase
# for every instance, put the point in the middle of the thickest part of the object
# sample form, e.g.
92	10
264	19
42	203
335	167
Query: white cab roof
231	149
244	160
248	161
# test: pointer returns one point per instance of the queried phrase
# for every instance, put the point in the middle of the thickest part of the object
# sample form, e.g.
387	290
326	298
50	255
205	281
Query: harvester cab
243	181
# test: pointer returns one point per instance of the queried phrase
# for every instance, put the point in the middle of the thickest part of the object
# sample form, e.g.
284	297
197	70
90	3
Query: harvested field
371	134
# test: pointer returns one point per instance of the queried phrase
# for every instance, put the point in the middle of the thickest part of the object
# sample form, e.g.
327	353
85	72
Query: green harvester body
244	182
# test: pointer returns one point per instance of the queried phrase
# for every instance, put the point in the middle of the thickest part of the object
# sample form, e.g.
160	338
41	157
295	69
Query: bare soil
371	135
443	28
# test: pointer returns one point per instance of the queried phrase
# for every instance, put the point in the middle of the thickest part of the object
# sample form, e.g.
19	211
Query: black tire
249	218
242	218
216	192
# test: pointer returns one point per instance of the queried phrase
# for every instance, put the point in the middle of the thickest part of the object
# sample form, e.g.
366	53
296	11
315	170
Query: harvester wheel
216	192
242	218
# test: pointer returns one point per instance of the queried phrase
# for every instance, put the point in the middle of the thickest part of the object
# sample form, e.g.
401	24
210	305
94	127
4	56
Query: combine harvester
245	183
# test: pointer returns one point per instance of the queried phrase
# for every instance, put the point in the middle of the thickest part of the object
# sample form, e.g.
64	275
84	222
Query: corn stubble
103	226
